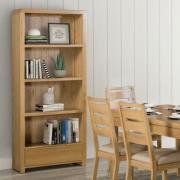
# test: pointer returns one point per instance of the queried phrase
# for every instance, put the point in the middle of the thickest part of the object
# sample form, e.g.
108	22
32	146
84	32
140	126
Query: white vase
48	97
59	73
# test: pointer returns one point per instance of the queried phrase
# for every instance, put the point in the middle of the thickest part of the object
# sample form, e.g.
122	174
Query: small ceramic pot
59	73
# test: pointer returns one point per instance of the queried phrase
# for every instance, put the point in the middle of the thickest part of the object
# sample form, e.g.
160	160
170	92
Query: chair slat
135	126
136	138
103	132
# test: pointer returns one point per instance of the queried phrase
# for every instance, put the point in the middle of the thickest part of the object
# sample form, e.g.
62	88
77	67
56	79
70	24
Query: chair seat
162	156
135	148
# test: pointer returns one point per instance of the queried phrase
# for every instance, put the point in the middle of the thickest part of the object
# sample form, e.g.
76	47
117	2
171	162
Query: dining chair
134	118
102	124
123	94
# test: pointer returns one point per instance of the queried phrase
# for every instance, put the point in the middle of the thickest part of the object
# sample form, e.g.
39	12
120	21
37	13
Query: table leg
178	148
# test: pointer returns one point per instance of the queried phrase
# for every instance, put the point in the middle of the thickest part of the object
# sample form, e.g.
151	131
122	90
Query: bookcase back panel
72	59
69	93
37	21
35	127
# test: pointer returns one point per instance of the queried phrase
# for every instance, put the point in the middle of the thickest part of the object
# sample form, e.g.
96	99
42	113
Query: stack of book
50	107
61	132
36	39
36	69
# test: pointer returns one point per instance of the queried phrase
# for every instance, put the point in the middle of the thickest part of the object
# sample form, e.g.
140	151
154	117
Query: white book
40	69
27	69
34	69
48	129
49	109
69	131
37	69
31	70
75	124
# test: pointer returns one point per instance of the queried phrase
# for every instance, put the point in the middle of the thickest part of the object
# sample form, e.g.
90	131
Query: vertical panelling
5	90
127	42
100	47
165	51
114	43
39	4
88	7
176	51
153	51
140	17
55	4
71	4
22	4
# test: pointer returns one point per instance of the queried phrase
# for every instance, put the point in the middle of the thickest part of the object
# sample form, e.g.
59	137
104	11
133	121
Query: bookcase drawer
53	154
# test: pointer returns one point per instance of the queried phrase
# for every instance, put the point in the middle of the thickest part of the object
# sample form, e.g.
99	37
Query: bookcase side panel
18	90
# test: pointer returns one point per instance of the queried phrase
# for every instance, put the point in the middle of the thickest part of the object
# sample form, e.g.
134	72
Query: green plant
59	62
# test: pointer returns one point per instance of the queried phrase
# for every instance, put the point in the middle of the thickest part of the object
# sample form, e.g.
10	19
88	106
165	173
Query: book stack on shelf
36	39
36	69
61	132
50	107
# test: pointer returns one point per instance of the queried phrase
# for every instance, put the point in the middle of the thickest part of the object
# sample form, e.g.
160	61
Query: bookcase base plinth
37	156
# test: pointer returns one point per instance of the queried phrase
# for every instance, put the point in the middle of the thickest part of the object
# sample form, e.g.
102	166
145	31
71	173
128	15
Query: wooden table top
159	120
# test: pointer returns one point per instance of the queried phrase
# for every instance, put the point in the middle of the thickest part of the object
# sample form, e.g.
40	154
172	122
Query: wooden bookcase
28	149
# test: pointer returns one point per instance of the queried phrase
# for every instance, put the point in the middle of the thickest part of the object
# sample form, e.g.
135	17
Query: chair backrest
134	119
120	94
102	122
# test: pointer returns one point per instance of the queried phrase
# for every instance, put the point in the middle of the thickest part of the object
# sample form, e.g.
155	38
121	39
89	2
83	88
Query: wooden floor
59	173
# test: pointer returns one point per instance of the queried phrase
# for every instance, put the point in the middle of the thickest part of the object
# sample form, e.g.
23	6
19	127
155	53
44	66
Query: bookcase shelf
36	113
53	46
31	146
53	80
28	124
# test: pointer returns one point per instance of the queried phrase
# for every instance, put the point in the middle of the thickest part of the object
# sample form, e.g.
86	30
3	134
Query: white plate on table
176	108
147	105
175	116
149	110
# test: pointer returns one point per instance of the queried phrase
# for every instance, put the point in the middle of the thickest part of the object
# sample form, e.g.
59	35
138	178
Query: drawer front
52	155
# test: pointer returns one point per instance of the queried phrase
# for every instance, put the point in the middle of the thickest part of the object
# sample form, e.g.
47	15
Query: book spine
75	129
63	132
45	69
59	132
31	69
48	128
27	69
69	131
40	69
37	69
66	130
34	69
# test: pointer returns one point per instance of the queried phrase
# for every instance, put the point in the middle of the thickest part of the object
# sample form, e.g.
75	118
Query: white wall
129	42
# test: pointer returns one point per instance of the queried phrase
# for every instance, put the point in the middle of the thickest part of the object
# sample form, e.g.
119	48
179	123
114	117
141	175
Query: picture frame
59	33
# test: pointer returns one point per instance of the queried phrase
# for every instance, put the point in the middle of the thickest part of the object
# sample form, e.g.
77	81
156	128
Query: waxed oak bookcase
28	148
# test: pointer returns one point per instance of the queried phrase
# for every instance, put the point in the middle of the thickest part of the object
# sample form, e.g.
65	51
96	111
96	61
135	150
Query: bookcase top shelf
53	46
51	113
49	12
53	80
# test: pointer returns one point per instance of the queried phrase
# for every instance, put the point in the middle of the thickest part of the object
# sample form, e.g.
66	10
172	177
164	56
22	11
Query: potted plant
59	66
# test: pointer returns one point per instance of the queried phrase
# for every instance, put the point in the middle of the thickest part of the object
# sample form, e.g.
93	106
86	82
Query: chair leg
153	175
115	170
164	175
129	173
96	162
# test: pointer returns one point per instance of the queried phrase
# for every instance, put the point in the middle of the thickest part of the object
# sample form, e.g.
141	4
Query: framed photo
59	33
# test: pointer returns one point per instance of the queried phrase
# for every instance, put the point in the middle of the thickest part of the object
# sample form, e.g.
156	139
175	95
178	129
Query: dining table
160	123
